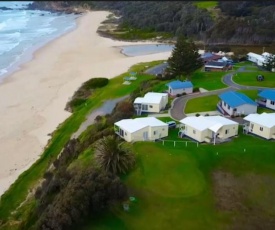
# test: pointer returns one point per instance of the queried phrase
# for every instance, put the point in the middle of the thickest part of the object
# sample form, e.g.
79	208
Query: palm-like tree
114	156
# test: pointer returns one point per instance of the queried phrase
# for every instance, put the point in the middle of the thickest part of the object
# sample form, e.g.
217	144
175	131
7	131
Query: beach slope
33	98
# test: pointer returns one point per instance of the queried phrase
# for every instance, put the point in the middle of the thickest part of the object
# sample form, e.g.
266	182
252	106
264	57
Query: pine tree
184	59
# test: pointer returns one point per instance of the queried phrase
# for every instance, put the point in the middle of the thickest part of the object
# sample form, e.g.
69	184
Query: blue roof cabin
235	104
267	98
179	87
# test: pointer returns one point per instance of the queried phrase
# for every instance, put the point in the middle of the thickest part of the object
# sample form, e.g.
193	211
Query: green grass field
249	78
202	104
173	185
208	80
206	4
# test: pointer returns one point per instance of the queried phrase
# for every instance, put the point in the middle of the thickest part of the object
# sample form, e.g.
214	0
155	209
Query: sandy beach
33	98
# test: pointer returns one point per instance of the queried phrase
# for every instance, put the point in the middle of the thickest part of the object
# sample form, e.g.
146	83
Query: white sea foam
21	30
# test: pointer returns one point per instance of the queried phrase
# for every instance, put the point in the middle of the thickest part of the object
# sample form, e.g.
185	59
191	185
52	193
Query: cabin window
194	131
121	132
226	131
272	102
228	106
224	103
125	134
252	126
150	106
144	107
261	128
155	132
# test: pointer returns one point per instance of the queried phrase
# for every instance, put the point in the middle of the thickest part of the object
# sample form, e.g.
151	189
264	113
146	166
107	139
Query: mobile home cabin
211	129
262	125
141	129
179	87
267	98
235	104
151	102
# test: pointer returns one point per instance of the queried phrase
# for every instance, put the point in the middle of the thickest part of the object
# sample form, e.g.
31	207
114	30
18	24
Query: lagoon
139	50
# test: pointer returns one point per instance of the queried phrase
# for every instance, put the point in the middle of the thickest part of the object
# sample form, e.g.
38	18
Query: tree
270	63
113	156
185	58
89	192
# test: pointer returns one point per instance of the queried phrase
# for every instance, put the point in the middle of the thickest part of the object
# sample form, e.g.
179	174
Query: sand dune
33	98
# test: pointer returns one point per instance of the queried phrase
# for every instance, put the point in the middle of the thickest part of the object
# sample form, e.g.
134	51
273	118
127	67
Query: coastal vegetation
84	92
212	22
114	156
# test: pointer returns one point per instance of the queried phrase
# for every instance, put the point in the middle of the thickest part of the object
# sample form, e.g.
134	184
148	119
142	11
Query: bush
84	92
76	102
196	89
197	114
95	83
88	191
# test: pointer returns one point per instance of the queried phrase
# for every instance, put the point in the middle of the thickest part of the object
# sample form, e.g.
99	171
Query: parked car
171	124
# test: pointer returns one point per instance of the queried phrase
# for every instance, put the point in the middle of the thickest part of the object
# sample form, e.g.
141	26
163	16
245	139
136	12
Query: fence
175	142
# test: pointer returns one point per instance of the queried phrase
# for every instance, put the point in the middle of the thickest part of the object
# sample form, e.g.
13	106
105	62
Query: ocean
24	31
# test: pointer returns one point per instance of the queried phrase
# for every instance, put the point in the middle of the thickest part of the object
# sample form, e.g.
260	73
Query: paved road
106	108
157	69
229	81
178	105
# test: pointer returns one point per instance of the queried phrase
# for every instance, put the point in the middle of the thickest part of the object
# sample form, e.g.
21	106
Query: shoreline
36	94
28	55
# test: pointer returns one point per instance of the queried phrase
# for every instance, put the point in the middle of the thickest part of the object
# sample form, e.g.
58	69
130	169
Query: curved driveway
178	105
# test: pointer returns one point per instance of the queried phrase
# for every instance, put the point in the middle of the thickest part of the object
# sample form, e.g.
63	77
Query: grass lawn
208	80
249	78
206	4
18	192
173	185
202	104
166	119
208	103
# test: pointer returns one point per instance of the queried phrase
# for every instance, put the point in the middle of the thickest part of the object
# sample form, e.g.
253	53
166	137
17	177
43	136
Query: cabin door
145	135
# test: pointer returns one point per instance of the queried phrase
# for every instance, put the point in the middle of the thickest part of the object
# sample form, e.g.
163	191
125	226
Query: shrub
207	115
197	114
95	83
85	91
196	89
76	102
